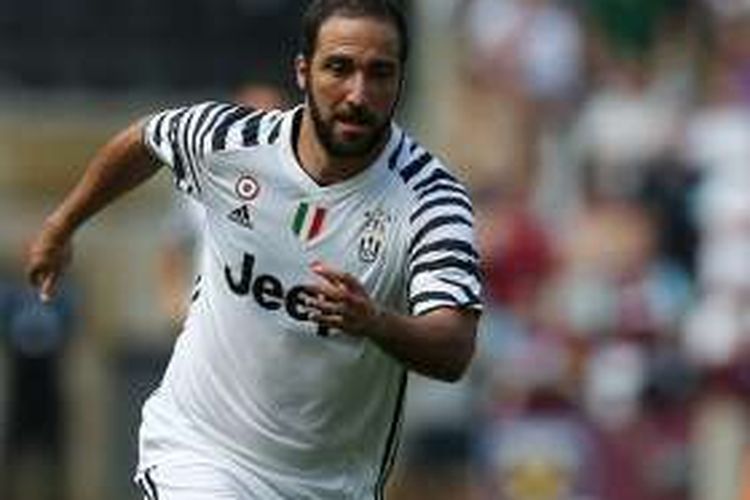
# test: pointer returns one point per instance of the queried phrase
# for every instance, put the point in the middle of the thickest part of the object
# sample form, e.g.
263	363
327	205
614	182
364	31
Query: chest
256	208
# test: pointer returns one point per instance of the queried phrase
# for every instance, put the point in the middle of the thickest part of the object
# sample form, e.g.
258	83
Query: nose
357	91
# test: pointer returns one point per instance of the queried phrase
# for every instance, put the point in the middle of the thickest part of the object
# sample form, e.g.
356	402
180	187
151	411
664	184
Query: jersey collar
373	171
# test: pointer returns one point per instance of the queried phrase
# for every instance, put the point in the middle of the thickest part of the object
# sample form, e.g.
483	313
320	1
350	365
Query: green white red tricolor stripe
308	221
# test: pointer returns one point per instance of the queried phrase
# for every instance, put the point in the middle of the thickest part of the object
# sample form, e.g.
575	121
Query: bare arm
438	344
119	166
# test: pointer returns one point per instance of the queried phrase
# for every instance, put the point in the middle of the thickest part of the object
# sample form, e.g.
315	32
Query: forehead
366	37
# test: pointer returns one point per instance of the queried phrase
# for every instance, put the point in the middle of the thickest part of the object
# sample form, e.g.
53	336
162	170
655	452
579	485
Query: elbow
454	373
451	375
458	350
457	364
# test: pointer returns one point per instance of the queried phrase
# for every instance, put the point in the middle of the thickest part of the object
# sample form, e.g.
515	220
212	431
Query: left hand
340	301
48	256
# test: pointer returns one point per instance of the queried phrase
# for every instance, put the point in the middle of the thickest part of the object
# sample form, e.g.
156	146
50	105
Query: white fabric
251	384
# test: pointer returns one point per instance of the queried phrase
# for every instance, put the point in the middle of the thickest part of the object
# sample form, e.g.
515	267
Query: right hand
48	256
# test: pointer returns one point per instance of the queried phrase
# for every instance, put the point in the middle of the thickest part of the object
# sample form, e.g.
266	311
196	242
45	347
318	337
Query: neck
321	165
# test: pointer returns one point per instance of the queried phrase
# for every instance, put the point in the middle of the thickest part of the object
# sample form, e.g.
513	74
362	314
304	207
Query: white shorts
194	481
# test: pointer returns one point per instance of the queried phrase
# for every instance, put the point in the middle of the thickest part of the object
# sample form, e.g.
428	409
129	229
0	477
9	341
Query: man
338	254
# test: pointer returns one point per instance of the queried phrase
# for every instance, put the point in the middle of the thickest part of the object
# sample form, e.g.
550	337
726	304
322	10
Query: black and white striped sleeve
443	266
182	137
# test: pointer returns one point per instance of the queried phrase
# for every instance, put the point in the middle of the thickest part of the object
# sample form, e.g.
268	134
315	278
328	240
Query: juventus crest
373	235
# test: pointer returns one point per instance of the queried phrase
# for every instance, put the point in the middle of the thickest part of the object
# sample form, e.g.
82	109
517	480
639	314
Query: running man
339	254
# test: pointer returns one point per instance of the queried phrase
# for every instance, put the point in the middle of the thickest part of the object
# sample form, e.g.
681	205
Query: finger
320	304
34	275
323	305
330	274
37	274
340	278
47	290
330	320
349	281
326	290
332	307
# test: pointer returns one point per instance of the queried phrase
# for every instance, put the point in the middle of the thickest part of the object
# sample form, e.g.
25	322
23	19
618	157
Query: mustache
358	115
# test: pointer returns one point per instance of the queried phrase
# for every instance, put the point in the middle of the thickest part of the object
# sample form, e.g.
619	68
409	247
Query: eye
383	70
339	66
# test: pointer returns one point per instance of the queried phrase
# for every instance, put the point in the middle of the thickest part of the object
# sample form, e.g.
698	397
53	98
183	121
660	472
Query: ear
302	70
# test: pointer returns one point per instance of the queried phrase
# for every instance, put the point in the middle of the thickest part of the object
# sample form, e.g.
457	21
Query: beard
339	146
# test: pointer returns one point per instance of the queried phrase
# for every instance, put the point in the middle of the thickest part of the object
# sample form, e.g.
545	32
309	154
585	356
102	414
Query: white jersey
302	411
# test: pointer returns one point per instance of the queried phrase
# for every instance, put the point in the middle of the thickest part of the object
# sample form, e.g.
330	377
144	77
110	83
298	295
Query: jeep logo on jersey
373	235
270	293
247	188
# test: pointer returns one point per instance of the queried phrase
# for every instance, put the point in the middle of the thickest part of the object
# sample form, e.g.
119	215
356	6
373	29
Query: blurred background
607	147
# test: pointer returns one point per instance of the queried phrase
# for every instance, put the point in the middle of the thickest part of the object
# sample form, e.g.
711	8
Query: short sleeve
443	261
182	138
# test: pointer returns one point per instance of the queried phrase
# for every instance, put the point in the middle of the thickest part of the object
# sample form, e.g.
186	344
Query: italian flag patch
308	221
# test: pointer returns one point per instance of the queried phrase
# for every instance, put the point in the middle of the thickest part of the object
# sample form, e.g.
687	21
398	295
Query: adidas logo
241	216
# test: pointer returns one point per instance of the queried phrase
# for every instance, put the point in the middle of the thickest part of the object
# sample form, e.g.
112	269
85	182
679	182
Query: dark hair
319	11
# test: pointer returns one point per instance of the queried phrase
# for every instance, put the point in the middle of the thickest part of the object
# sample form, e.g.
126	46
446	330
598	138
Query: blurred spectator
35	336
668	400
625	124
717	330
669	192
534	47
518	254
617	294
614	357
533	441
520	65
615	378
718	142
612	281
546	451
630	29
726	11
648	456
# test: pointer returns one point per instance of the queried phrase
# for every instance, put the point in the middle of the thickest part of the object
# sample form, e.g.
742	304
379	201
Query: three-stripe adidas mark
241	216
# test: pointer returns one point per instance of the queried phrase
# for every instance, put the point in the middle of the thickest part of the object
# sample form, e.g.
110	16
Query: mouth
353	127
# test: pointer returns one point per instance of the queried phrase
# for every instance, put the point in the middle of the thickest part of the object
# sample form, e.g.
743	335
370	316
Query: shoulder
423	178
214	126
241	127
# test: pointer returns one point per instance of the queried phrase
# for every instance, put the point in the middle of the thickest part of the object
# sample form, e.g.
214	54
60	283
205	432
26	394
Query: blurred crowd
607	143
607	147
